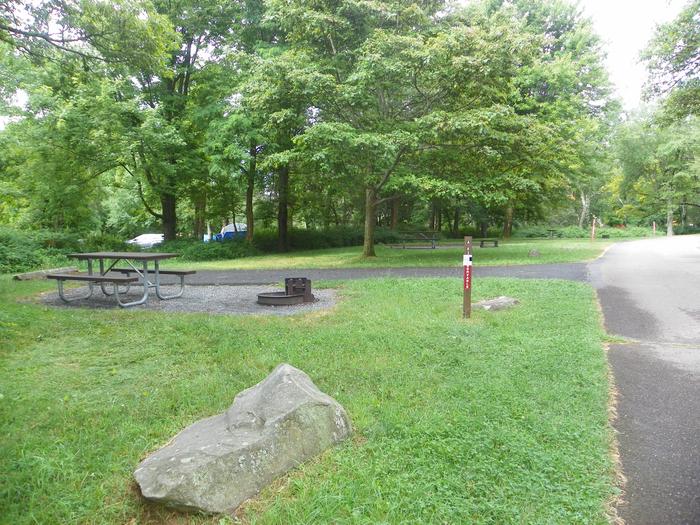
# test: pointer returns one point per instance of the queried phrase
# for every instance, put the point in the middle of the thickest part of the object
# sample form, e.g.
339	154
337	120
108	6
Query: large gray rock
499	303
217	463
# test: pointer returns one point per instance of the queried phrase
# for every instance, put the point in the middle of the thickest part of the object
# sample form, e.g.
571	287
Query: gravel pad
222	299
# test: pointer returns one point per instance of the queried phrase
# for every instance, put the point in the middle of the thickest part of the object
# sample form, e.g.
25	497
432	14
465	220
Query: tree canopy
187	114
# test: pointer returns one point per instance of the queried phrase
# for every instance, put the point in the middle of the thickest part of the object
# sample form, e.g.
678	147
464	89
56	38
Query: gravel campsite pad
221	299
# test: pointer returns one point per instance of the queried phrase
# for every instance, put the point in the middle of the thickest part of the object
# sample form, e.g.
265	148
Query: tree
673	61
661	166
408	91
116	32
568	90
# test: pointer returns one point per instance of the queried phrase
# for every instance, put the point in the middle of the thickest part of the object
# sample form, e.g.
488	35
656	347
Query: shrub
311	239
530	232
574	232
18	252
196	250
680	230
24	251
622	233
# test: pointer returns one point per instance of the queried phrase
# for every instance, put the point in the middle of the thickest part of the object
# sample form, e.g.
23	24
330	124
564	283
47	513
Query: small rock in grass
533	253
217	463
499	303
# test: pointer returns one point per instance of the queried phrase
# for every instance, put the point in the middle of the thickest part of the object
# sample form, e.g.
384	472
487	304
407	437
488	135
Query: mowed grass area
499	419
507	253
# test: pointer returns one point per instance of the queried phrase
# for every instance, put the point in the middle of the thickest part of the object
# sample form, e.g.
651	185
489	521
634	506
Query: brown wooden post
467	263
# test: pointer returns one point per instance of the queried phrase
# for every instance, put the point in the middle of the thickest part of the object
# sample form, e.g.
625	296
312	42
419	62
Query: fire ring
297	290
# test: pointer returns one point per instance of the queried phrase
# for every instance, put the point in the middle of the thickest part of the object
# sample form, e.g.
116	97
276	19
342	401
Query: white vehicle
146	240
234	228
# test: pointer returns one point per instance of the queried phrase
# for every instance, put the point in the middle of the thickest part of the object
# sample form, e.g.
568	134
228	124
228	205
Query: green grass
499	419
508	253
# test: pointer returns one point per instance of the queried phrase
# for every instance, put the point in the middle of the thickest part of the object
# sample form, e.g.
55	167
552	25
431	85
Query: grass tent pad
502	419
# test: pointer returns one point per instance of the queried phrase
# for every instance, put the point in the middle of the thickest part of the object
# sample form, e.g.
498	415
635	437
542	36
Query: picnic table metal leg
102	285
144	298
62	295
165	297
115	288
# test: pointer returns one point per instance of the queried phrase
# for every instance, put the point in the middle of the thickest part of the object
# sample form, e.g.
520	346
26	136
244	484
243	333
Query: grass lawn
508	253
501	419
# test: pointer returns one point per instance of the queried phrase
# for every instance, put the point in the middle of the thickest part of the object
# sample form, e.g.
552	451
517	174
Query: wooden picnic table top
136	256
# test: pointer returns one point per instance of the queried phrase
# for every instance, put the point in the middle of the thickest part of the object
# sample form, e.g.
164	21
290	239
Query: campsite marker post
467	263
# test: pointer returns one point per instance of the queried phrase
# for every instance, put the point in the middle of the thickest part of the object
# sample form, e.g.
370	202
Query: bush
574	232
678	230
18	252
310	239
25	251
531	232
196	250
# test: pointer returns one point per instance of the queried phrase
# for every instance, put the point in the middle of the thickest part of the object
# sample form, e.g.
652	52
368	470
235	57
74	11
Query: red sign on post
467	272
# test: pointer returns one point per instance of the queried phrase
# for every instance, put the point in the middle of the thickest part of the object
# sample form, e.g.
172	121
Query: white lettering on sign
467	261
467	277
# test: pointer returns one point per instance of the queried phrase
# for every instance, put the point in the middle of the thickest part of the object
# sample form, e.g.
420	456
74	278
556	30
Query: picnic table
430	237
135	271
484	242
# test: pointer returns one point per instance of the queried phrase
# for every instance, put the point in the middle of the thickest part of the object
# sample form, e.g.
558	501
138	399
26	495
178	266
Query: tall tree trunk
684	217
669	218
432	215
484	229
370	221
250	187
200	212
438	217
283	208
585	209
168	202
508	222
395	213
455	221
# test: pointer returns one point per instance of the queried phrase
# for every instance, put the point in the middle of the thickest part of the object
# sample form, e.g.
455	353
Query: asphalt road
650	293
569	271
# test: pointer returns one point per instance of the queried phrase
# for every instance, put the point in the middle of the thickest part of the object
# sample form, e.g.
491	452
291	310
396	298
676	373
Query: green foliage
18	252
33	249
311	239
660	165
196	250
673	60
574	232
196	112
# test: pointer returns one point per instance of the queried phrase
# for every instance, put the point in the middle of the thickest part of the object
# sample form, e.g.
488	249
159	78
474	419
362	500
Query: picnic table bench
179	273
92	280
492	242
107	275
430	237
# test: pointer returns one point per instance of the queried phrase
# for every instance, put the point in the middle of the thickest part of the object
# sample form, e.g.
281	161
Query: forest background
332	122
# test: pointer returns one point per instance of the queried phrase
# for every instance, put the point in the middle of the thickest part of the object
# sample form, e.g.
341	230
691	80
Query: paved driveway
650	293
